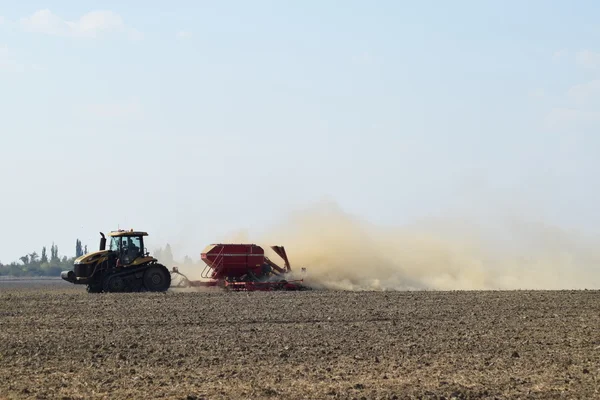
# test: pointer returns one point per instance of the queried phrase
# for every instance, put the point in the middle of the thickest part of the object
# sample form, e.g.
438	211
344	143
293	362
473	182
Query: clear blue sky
226	115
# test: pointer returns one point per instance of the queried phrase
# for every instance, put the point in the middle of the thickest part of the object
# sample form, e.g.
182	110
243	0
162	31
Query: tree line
44	264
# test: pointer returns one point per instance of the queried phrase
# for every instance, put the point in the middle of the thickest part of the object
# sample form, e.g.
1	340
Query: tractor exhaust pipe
102	242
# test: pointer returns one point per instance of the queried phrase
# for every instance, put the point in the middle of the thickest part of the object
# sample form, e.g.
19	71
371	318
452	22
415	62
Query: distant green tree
33	258
54	259
78	248
44	259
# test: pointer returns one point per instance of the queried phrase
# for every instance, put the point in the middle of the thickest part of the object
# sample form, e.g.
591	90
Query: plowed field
57	341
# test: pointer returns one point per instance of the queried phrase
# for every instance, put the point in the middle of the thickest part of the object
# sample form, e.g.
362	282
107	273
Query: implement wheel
157	278
281	284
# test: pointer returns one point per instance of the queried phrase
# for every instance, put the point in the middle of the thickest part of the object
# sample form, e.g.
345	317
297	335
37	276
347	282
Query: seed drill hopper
243	267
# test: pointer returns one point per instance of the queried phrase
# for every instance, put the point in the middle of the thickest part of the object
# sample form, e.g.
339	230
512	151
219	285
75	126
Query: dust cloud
456	251
342	252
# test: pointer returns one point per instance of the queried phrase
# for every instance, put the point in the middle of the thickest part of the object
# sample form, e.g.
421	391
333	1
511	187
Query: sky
195	119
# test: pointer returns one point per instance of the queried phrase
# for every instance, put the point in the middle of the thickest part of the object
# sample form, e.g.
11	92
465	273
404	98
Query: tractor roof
122	233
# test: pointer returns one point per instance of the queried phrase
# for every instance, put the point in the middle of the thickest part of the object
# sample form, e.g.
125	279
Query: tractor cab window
128	247
131	248
115	244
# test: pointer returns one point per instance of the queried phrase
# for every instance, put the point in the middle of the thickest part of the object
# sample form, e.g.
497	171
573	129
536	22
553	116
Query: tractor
125	266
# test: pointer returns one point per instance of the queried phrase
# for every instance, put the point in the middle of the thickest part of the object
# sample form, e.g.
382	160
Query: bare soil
57	341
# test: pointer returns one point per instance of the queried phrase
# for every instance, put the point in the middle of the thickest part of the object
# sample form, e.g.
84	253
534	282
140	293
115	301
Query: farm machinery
243	267
126	266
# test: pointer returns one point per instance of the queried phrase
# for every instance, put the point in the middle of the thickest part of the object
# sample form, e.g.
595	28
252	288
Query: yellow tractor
125	266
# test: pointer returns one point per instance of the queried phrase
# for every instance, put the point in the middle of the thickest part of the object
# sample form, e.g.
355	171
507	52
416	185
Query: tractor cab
127	245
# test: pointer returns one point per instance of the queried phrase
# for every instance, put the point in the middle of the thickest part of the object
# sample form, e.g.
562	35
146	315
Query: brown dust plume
342	252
